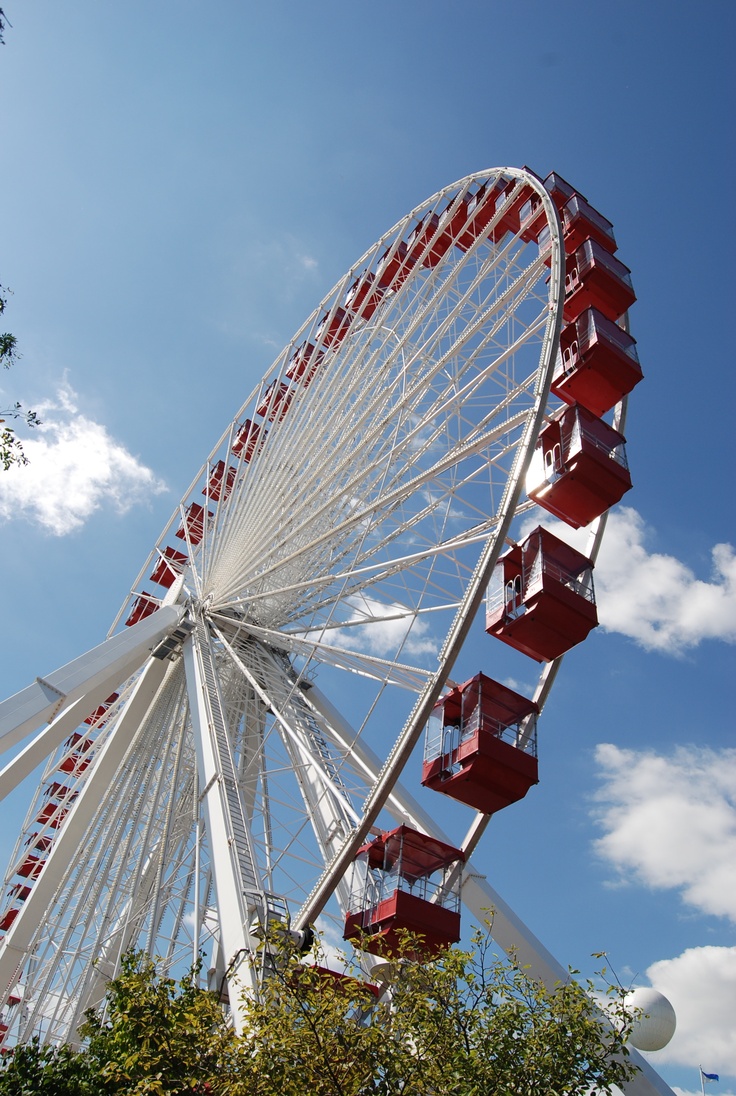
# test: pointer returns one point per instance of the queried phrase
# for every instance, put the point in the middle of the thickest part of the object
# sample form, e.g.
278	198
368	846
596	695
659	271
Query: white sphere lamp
657	1022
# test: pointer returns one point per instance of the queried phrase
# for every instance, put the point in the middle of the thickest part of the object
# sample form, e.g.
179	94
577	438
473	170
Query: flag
709	1076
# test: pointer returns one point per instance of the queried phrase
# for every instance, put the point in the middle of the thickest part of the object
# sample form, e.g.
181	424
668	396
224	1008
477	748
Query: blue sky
182	184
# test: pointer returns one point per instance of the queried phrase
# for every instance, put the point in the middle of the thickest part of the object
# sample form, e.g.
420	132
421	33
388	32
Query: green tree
466	1024
11	449
37	1069
157	1036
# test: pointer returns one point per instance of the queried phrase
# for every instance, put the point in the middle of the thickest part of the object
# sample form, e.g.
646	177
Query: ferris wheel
231	754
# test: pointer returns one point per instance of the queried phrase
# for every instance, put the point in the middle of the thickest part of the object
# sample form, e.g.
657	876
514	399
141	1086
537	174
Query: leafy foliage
467	1024
40	1070
157	1036
8	342
11	449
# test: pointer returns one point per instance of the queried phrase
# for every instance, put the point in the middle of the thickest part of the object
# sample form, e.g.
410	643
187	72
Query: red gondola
481	745
58	791
168	567
596	279
30	868
78	740
481	208
580	222
533	218
98	713
364	296
216	488
394	267
275	402
405	881
249	438
143	606
42	843
193	523
333	327
75	763
579	469
345	982
303	364
559	189
52	815
7	920
427	244
540	598
453	219
509	204
598	363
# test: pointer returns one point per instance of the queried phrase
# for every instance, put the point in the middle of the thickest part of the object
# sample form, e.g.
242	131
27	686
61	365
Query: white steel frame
237	773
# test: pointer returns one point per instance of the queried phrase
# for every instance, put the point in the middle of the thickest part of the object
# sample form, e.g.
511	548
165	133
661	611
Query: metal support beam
44	699
18	942
231	849
51	736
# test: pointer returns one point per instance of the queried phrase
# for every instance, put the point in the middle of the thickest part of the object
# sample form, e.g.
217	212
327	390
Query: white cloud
75	468
701	985
655	598
378	628
307	262
280	255
652	597
670	822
